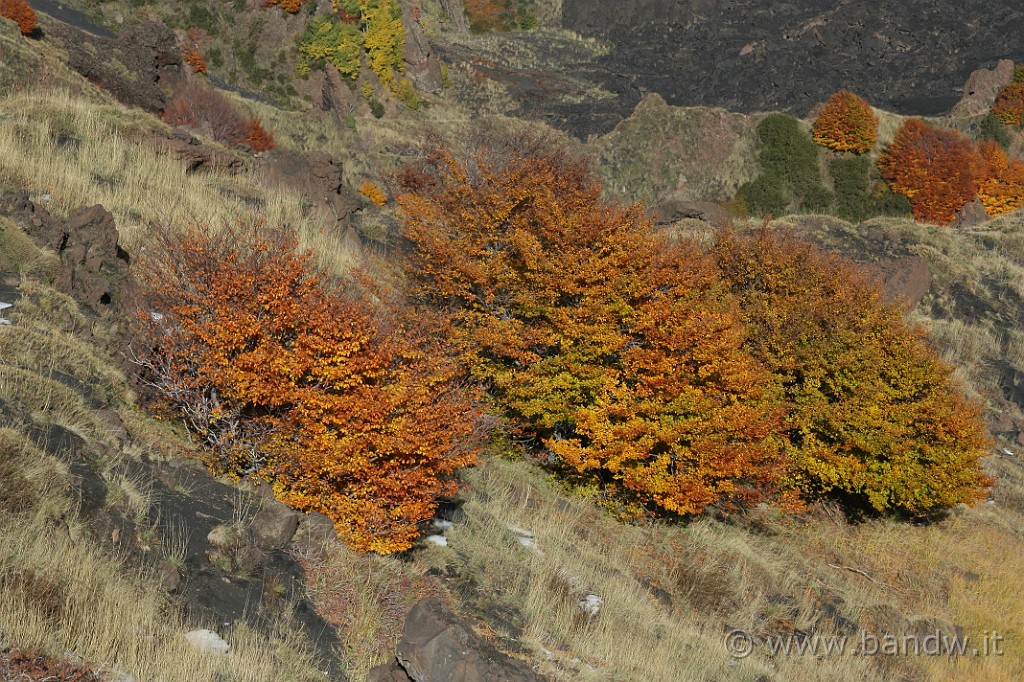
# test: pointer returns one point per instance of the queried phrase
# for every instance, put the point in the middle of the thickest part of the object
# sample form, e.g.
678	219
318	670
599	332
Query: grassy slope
668	591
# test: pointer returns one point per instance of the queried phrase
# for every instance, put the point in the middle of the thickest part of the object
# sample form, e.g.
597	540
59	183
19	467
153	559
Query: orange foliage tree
934	168
873	415
21	13
287	374
614	349
1009	104
846	124
1000	180
290	6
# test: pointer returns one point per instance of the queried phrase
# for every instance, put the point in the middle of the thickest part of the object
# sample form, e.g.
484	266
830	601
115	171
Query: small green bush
328	39
790	177
991	128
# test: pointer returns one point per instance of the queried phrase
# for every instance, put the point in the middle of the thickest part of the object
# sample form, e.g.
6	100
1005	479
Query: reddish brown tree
21	13
933	167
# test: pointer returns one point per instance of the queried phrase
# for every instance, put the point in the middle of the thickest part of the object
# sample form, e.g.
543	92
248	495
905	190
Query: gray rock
169	575
207	641
971	215
439	646
274	525
982	88
420	65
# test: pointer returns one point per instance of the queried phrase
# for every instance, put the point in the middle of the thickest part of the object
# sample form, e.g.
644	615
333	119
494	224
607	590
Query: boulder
439	646
274	525
94	267
135	67
982	88
316	177
674	210
971	215
192	153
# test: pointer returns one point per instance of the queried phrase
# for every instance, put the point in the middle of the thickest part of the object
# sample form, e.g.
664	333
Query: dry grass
77	153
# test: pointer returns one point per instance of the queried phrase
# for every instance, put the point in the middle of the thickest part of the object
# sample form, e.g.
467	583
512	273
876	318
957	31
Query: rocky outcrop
94	267
674	210
193	154
981	89
136	67
905	280
420	65
438	646
316	177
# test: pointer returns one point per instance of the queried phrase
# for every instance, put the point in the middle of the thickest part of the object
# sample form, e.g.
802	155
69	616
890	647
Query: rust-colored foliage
873	415
32	665
286	374
1000	180
21	13
933	167
290	6
374	193
846	124
200	105
615	349
1009	104
257	138
190	50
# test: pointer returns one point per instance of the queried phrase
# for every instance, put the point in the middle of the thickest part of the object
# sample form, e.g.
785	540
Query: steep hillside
115	542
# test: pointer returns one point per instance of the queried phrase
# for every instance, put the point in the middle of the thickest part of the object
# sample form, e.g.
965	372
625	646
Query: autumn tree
617	351
329	39
846	124
290	6
1000	180
384	38
286	373
1009	104
933	167
21	13
874	417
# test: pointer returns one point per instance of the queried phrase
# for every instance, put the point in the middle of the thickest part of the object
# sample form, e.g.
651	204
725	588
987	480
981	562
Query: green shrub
328	39
790	177
991	128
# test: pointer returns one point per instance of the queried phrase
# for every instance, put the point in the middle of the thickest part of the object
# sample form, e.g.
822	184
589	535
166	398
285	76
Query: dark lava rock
674	210
132	67
438	646
93	266
758	55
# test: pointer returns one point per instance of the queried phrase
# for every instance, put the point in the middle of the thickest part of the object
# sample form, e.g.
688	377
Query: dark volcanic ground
910	56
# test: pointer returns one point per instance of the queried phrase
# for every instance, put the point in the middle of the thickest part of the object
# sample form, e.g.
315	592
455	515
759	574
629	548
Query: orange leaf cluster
290	6
933	167
1009	104
670	377
374	193
200	105
191	56
257	138
291	376
1001	180
846	124
21	13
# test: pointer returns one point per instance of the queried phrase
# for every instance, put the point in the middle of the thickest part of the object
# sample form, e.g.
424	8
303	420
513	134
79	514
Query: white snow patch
443	524
522	532
156	317
439	540
5	306
207	641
